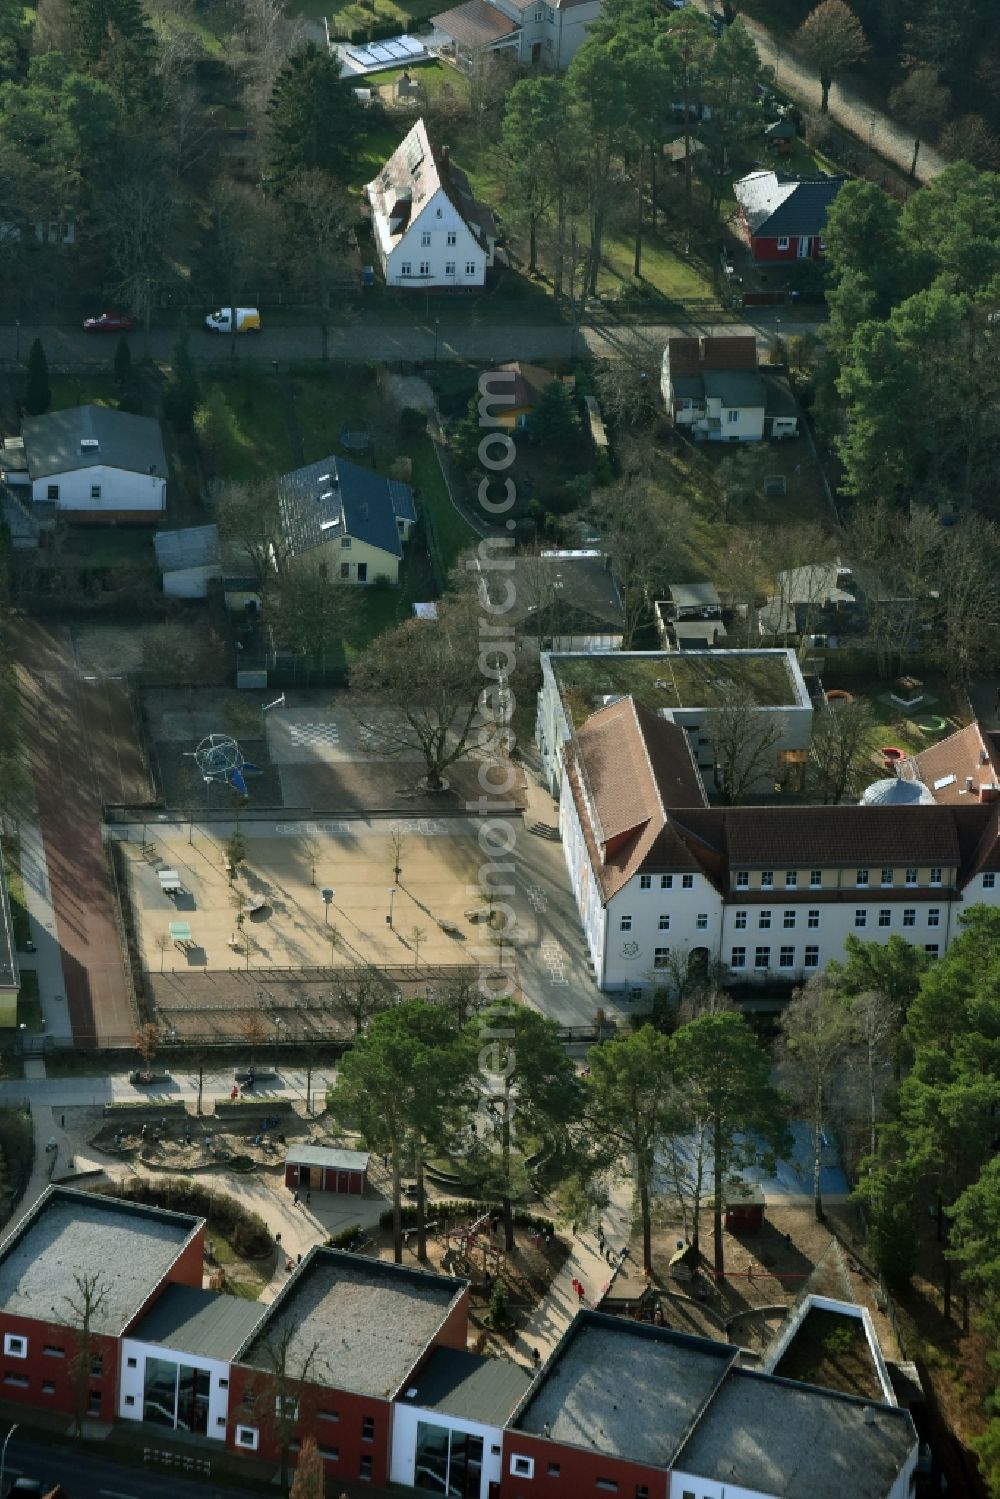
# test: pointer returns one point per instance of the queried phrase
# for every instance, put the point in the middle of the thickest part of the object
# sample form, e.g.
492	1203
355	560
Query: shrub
453	1209
496	1315
346	1238
412	421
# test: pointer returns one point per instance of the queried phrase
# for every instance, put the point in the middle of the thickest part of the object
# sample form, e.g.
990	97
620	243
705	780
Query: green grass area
105	546
454	534
85	390
346	16
679	680
910	731
15	890
325	402
665	273
242	427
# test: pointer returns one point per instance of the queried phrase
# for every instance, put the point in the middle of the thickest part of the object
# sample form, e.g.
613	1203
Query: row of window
248	1438
666	882
15	1381
52	490
786	956
861	878
425	238
424	269
524	1467
700	921
790	918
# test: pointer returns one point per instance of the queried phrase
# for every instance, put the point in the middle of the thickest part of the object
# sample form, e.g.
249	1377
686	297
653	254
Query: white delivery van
247	320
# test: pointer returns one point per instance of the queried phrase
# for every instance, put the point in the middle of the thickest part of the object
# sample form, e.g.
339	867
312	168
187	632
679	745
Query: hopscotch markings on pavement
552	957
537	898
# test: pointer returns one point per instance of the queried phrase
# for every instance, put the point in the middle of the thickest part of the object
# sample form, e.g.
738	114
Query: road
84	1476
68	347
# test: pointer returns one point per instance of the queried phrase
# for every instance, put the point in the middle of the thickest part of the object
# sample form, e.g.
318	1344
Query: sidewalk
46	961
586	1264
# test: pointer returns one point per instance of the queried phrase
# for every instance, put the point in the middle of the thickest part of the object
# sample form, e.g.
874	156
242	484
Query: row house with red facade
103	1313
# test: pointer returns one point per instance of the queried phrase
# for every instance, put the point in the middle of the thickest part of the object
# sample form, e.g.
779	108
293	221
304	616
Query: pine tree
314	120
182	391
123	365
37	395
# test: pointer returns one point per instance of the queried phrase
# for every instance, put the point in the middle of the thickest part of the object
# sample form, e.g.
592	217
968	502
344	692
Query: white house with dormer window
428	228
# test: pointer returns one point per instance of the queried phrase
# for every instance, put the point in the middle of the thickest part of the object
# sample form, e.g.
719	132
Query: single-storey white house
188	560
537	32
715	389
95	464
428	228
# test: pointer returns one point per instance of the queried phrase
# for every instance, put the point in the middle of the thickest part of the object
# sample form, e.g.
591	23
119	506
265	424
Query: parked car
22	1488
109	322
144	1078
247	320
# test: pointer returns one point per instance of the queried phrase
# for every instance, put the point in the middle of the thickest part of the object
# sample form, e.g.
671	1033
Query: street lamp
327	895
17	340
437	329
392	894
3	1454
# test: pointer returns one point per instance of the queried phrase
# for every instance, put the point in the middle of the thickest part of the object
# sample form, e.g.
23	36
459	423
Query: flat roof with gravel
788	1439
70	1236
624	1389
352	1324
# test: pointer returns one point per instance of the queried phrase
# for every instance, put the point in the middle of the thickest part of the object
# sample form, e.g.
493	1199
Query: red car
109	322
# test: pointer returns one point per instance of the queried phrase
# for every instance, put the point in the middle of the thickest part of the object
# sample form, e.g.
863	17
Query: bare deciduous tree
840	764
85	1305
744	739
816	1035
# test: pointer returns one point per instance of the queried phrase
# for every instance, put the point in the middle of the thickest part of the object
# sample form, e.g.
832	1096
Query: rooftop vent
88	444
970	781
983	757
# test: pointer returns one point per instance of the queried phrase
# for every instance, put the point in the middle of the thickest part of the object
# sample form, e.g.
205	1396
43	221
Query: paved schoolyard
441	861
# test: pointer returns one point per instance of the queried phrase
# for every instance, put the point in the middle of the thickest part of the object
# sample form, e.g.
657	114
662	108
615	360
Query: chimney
970	781
869	1415
445	160
983	757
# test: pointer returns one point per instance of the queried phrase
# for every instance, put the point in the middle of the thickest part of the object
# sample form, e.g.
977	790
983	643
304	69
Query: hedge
151	1106
447	1208
247	1232
346	1238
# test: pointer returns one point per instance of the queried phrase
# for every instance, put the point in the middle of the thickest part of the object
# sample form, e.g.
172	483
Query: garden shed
744	1208
315	1168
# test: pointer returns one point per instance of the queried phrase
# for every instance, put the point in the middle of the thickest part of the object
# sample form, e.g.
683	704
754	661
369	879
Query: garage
314	1168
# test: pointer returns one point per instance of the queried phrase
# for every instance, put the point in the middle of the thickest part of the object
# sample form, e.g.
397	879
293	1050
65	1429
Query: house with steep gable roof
429	230
783	217
346	522
715	389
540	33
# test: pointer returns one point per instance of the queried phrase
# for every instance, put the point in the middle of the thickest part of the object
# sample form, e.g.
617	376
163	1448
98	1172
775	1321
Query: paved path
69	761
872	126
594	1270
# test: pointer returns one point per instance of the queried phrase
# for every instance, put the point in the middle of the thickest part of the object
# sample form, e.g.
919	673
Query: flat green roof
671	679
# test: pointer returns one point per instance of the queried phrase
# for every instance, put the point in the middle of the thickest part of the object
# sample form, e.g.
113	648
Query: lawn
912	732
454	535
347	15
105	546
665	273
85	390
15	890
682	682
242	427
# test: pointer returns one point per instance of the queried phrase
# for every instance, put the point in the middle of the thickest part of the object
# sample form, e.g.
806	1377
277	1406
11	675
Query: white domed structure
894	792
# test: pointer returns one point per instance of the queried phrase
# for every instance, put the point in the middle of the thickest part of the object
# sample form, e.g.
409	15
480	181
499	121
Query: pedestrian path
589	1268
46	960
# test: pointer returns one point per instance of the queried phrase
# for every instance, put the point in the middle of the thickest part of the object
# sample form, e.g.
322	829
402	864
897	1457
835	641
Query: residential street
68	347
85	1476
